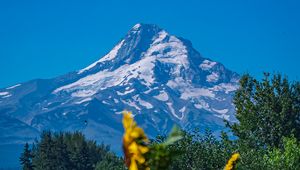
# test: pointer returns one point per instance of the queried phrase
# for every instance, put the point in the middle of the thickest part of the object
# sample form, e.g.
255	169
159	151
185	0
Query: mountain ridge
158	76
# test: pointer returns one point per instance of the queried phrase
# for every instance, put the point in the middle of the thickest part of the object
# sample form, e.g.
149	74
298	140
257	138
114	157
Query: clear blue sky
44	39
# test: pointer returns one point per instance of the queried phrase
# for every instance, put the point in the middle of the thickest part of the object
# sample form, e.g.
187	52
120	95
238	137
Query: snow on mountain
111	55
206	64
161	78
3	93
14	86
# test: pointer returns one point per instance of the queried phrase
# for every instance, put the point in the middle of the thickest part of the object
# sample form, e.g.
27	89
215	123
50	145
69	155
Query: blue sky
44	39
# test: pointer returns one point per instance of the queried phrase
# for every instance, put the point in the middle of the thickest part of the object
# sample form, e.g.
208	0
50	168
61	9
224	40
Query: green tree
201	151
251	158
287	158
44	157
26	158
266	111
79	151
66	151
112	162
61	154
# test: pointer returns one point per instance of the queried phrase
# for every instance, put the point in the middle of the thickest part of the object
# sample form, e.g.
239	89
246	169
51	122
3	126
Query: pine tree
79	151
66	151
60	153
45	158
26	158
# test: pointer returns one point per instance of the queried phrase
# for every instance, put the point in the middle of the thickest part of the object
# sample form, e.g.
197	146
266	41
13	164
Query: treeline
267	137
68	151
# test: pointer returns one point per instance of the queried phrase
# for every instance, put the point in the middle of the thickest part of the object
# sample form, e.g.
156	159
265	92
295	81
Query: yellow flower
232	161
134	140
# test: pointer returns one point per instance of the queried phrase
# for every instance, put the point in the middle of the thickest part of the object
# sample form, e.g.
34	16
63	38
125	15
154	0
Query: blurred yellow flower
134	140
232	162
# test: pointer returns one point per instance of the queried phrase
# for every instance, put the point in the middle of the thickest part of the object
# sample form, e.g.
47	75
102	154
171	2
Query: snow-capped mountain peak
141	41
161	78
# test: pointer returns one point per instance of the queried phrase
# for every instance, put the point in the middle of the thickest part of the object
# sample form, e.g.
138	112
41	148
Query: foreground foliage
140	153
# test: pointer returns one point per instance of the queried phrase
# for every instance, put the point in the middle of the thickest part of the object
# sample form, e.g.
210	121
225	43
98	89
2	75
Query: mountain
161	78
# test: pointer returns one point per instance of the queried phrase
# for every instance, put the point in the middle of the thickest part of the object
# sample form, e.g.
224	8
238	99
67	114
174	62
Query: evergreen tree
79	151
26	158
61	153
66	151
44	158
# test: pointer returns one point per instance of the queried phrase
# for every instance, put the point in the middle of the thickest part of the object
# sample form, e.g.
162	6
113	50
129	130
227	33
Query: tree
44	156
112	162
287	158
267	111
201	151
78	147
62	160
26	158
66	151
